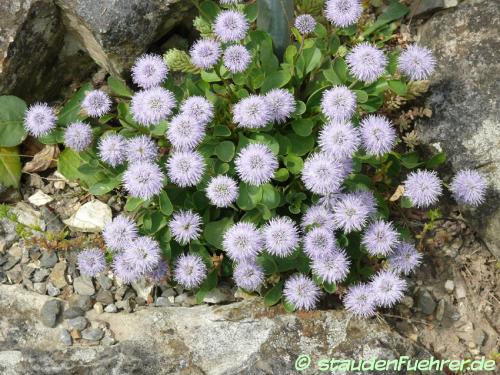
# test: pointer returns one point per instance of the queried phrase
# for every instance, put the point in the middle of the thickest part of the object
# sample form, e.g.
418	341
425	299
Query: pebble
84	302
168	292
218	295
52	290
40	275
92	334
163	301
440	310
105	297
105	282
11	262
48	259
111	308
15	275
460	291
120	292
108	341
57	276
407	301
66	338
79	323
98	307
40	288
426	303
124	305
73	312
50	312
185	299
449	285
83	285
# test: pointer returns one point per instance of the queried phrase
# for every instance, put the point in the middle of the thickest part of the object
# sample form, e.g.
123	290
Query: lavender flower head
141	148
333	267
242	242
339	139
378	135
185	133
305	23
226	2
469	187
205	53
388	288
380	238
318	243
404	259
366	62
149	71
112	149
368	200
322	175
318	216
351	213
151	106
343	13
252	112
281	104
96	103
144	253
230	26
423	188
359	301
91	262
338	103
159	273
126	270
185	226
198	108
255	164
190	271
236	58
39	119
248	276
222	191
78	136
186	168
143	180
281	236
119	233
301	292
416	62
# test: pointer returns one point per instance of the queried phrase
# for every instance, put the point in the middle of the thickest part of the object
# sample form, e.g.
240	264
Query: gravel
50	313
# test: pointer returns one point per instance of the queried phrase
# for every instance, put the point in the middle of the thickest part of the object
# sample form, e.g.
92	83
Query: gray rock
108	341
105	282
219	295
52	290
464	100
84	302
58	275
104	296
73	312
11	262
185	299
54	224
427	6
99	309
50	312
8	234
40	287
425	302
440	310
83	285
163	301
79	323
111	308
65	338
40	275
28	216
125	305
92	334
449	285
15	275
48	259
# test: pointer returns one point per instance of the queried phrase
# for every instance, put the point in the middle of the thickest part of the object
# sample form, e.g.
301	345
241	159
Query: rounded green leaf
12	110
225	151
215	230
273	296
10	167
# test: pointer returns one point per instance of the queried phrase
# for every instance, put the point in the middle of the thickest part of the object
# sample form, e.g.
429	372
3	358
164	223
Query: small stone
11	262
28	216
40	199
142	288
125	305
162	301
407	301
426	303
440	310
75	334
105	282
449	285
120	292
105	297
40	288
15	275
59	185
91	217
92	334
108	341
98	307
460	291
168	292
50	312
54	224
218	295
73	312
40	275
52	290
84	302
57	276
79	323
83	285
15	251
185	299
111	308
48	259
65	338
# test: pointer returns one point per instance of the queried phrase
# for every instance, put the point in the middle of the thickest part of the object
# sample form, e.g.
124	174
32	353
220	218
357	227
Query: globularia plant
278	174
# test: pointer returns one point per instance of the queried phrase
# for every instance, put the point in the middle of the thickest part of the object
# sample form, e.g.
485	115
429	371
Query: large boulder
464	100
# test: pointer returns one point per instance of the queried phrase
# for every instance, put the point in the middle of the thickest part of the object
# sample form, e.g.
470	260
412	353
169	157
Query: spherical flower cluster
280	236
368	200
236	58
378	135
416	62
318	216
333	267
151	106
141	148
190	271
359	300
305	23
144	254
39	120
404	259
281	104
143	180
469	187
255	164
339	139
225	2
230	26
78	136
119	233
96	103
252	112
222	191
322	175
91	262
248	276
338	103
351	213
380	238
112	149
159	273
205	53
198	108
186	168
387	288
242	242
185	226
125	269
301	292
185	133
423	188
318	243
149	71
343	13
366	62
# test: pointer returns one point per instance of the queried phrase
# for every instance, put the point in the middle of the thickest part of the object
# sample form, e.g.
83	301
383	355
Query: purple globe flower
186	168
112	149
378	135
143	180
338	103
416	62
350	213
318	217
388	288
339	139
255	164
469	187
222	191
144	253
281	236
78	136
96	103
39	119
236	58
141	148
159	273
322	174
404	259
119	233
343	13
281	104
205	53
190	271
185	226
301	292
333	267
230	26
368	200
151	106
198	108
423	188
366	62
380	238
305	23
91	262
318	243
149	71
226	2
126	270
242	242
252	112
248	276
185	133
359	300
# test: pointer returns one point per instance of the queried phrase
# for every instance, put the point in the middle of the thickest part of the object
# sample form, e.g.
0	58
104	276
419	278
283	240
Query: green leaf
340	68
209	10
294	163
394	11
275	18
164	204
271	198
281	175
54	137
436	161
398	87
71	111
410	160
289	308
361	95
119	87
133	204
329	287
248	197
12	110
406	202
273	296
225	151
267	263
303	126
68	163
331	76
105	186
275	80
221	131
312	58
215	230
300	145
10	167
209	284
